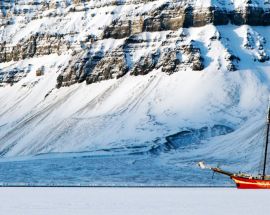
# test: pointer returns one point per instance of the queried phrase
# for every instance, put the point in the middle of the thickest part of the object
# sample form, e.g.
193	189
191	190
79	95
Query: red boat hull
246	183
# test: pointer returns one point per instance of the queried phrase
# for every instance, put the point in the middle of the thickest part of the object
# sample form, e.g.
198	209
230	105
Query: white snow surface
143	201
133	111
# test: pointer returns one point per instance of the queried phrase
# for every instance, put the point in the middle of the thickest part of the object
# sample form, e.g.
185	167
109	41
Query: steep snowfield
37	118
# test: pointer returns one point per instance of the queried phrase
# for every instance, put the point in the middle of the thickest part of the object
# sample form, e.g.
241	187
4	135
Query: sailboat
248	181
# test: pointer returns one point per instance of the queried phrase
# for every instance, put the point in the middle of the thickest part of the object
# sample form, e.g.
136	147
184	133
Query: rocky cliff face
108	39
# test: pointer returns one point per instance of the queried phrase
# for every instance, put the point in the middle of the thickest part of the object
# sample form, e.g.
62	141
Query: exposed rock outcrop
233	61
144	35
14	75
145	64
168	55
256	43
36	45
172	16
111	66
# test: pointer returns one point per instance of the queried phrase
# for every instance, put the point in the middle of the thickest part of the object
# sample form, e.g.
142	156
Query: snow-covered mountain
126	76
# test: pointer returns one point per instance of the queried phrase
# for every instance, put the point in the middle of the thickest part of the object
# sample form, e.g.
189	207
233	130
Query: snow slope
37	118
216	78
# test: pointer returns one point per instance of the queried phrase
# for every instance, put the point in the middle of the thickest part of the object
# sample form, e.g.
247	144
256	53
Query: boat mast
266	142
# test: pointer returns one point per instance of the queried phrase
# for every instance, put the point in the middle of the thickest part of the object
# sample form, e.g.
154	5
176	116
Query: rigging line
261	137
264	133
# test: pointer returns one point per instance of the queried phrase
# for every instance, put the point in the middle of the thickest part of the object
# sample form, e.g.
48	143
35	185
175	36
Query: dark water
123	170
159	165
